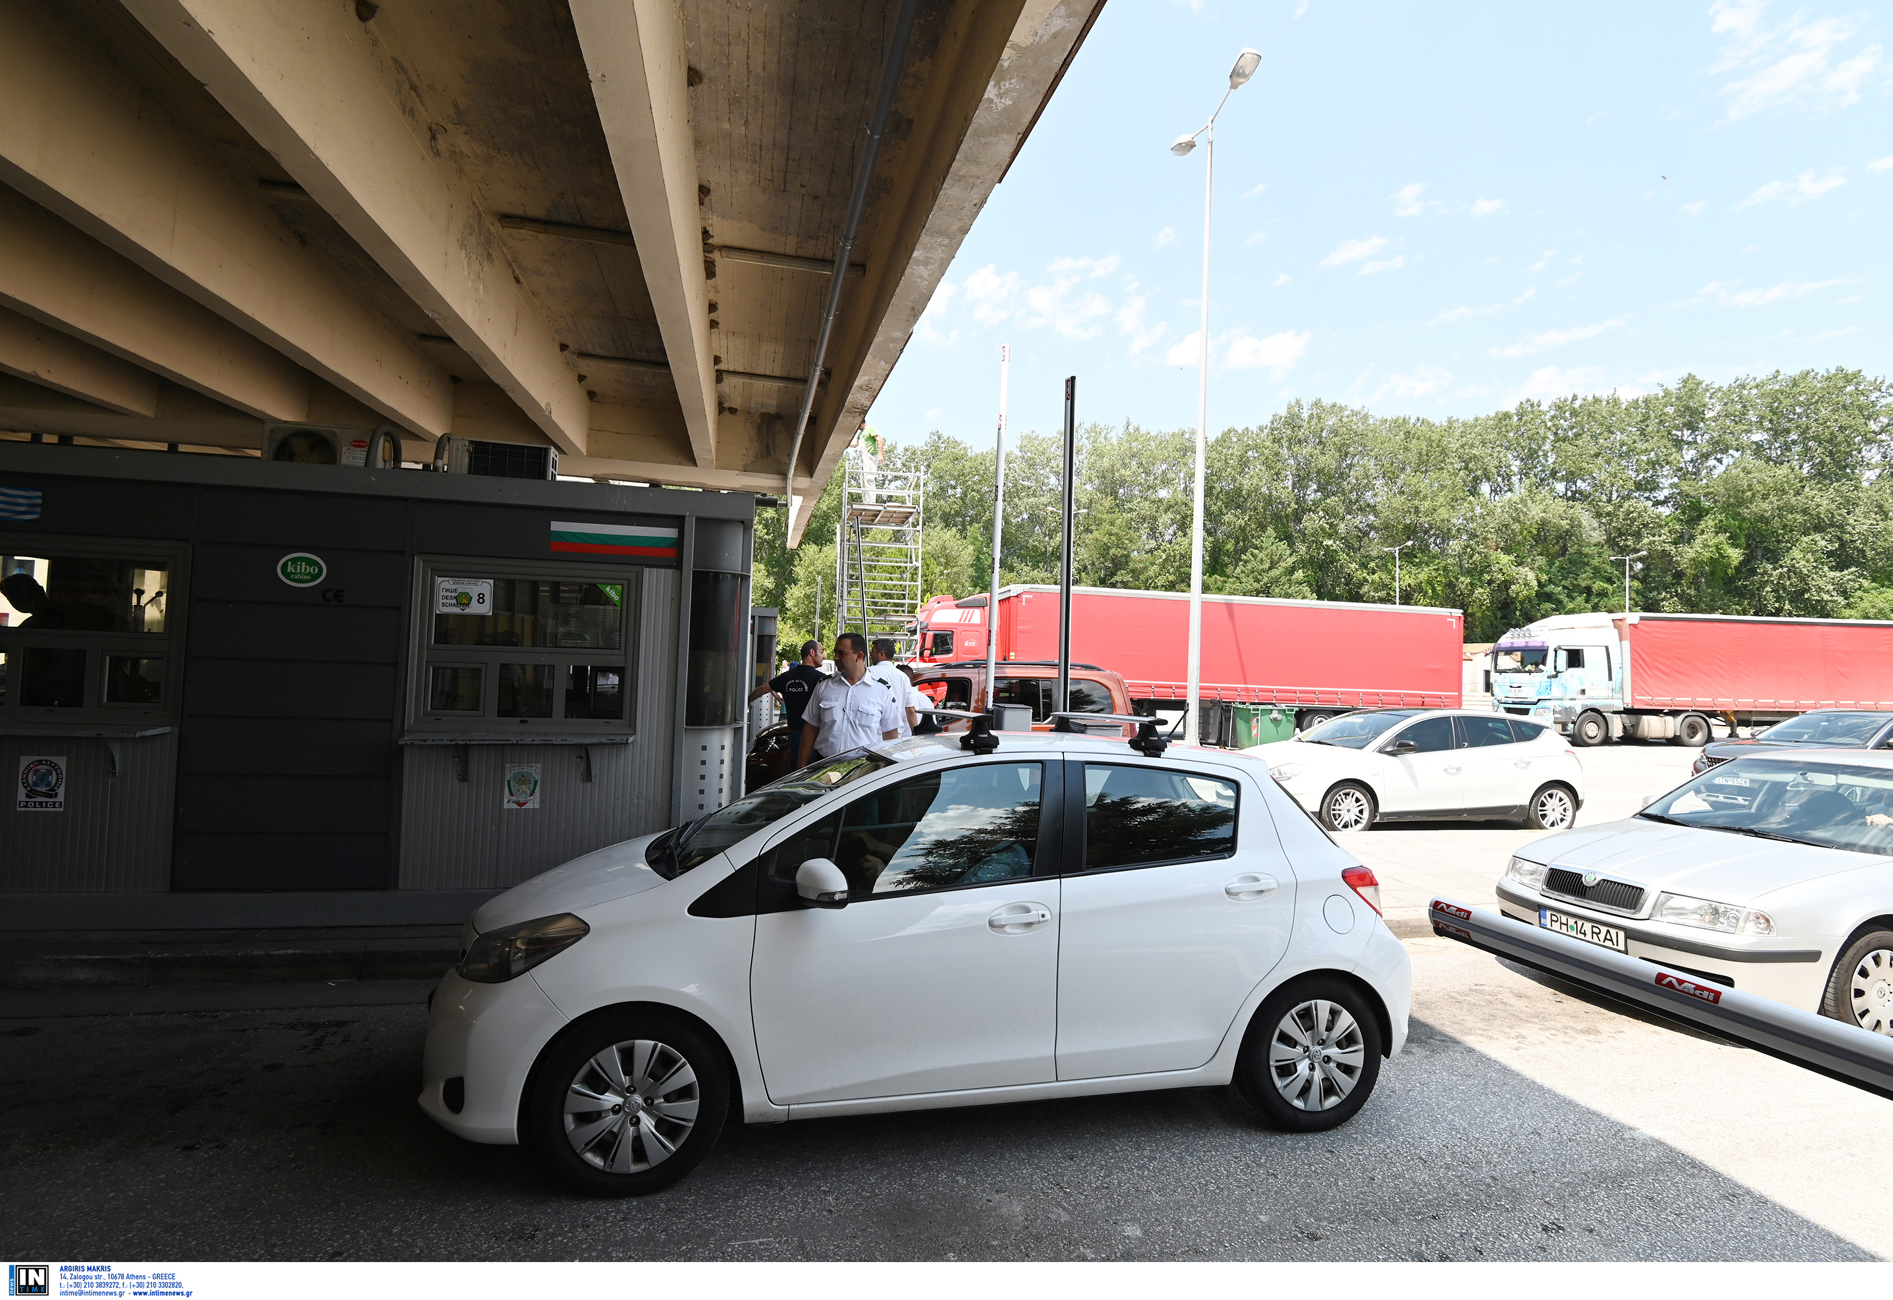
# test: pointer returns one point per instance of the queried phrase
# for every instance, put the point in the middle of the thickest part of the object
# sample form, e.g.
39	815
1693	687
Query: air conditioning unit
496	459
332	444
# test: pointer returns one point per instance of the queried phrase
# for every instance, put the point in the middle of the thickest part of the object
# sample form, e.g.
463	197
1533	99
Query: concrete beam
30	350
77	135
324	95
634	51
60	277
996	65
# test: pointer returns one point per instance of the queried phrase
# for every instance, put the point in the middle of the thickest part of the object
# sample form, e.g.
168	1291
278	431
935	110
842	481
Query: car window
1430	735
695	843
1032	692
1137	816
1827	804
1085	697
1480	732
1356	730
1524	731
1838	729
942	645
971	825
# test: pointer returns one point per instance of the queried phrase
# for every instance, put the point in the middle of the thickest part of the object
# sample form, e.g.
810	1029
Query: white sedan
1766	874
1429	764
914	926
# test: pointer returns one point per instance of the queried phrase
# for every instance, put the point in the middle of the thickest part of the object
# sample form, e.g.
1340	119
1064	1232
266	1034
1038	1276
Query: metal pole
1062	700
999	515
861	578
1194	690
818	609
1396	577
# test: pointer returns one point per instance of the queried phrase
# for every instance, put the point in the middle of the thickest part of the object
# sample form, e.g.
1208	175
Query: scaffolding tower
877	552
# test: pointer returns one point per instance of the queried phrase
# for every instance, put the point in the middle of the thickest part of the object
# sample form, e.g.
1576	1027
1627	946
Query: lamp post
1626	559
1395	550
1244	69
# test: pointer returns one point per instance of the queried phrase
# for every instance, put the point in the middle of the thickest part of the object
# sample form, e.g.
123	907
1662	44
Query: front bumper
1778	969
488	1036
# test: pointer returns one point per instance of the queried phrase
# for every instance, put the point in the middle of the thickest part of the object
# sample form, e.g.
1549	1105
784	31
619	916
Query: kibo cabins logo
301	569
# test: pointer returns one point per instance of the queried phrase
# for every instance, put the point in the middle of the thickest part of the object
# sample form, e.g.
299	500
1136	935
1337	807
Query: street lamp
1244	69
1395	552
1626	559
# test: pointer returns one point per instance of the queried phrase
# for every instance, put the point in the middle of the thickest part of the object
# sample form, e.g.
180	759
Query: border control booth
235	692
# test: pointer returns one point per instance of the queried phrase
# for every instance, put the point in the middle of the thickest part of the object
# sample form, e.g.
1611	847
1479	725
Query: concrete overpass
605	225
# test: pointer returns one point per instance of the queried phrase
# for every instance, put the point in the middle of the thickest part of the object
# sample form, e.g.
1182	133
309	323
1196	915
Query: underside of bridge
608	226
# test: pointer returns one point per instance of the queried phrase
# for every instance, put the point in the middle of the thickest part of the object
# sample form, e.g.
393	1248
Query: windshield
1832	805
695	843
1838	729
1518	661
1357	730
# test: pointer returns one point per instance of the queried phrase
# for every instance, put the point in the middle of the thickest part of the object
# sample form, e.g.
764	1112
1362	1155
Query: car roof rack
1148	741
1006	663
979	737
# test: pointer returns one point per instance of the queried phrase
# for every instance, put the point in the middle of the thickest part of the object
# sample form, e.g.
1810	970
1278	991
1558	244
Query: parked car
902	928
963	686
770	758
1767	873
1381	765
1818	729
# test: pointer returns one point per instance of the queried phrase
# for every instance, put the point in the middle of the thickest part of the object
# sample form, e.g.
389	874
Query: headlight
1285	771
503	954
1527	873
1706	915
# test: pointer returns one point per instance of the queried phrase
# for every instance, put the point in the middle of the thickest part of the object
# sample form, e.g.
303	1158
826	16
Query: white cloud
1880	164
1406	200
931	412
1277	353
1073	316
1281	279
1421	381
1352	250
1463	313
1531	292
1164	236
1728	296
1835	334
1555	381
1595	118
1788	65
1085	266
1694	209
1572	279
1259	237
1486	207
1799	190
1857	297
1252	193
1130	321
1548	339
1301	7
991	297
1390	264
1186	351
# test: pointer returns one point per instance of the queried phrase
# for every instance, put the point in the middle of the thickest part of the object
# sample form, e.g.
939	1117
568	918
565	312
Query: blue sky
1425	210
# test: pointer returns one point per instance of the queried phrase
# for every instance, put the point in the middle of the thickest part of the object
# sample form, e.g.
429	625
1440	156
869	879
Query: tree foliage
1761	496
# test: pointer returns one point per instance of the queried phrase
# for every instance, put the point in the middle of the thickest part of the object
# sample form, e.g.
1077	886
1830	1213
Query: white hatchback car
1768	874
1427	764
916	926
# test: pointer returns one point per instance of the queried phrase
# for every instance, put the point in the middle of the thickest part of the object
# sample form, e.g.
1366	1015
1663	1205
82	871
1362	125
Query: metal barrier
1840	1051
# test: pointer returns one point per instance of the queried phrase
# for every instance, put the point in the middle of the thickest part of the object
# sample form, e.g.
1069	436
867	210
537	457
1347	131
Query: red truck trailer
1315	657
1601	677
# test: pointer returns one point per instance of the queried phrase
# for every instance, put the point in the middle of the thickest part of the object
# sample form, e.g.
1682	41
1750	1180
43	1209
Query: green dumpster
1260	724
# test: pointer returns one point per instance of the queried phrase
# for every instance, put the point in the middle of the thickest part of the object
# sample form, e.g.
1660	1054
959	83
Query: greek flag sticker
19	503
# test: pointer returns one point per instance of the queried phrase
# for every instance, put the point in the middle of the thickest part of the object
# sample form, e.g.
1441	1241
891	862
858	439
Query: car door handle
1521	763
1018	918
1450	771
1248	888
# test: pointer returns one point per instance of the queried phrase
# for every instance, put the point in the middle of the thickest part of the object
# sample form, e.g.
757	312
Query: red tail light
1361	880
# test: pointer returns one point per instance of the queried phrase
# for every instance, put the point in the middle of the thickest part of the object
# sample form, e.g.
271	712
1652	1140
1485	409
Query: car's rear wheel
1311	1056
1552	808
1590	729
1860	990
1347	807
627	1103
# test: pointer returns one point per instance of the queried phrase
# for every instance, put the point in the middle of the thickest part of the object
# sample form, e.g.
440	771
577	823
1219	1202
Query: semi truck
1310	659
1604	677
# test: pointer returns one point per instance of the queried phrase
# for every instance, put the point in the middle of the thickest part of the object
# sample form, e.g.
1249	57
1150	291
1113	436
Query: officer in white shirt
881	666
850	709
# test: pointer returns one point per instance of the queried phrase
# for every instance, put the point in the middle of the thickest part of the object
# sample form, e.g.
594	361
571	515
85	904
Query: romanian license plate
1578	928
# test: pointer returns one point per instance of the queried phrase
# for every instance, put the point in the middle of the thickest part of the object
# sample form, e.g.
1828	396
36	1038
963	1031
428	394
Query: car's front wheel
627	1102
1347	807
1860	989
1552	808
1311	1056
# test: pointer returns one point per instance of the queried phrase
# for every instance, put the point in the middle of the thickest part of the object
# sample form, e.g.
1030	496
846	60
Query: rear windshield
695	843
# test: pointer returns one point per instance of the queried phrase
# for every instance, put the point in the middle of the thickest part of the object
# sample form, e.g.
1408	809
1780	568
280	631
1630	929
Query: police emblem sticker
42	784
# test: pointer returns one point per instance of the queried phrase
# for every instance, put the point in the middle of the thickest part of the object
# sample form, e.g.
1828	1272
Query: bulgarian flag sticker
615	539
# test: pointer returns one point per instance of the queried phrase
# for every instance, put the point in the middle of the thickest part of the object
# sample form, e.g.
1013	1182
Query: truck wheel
1692	731
1309	721
1347	807
1553	808
1590	729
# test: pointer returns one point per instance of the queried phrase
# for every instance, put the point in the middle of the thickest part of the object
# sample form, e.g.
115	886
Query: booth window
87	637
713	682
534	647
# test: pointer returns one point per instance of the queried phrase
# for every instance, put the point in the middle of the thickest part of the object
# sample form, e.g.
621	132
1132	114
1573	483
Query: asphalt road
1524	1122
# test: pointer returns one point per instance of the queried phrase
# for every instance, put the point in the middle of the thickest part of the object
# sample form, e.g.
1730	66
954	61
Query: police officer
850	709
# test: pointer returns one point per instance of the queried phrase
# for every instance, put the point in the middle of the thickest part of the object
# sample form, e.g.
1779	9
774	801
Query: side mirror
819	883
1400	747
